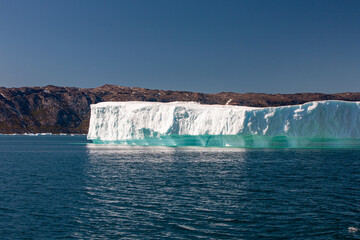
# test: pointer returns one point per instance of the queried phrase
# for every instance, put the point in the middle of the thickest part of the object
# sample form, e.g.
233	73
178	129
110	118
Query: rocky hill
54	109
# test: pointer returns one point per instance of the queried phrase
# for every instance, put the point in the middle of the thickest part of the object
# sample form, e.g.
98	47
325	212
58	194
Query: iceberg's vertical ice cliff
189	123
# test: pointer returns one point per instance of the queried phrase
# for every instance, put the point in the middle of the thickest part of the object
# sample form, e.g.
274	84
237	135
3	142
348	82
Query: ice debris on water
353	229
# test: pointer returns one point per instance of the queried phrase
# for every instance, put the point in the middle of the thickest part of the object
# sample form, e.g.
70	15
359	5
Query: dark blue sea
63	187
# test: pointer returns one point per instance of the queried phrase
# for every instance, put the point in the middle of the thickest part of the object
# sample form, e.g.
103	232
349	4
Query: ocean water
65	187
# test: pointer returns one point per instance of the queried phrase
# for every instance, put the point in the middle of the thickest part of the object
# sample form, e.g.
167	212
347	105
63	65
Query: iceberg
313	124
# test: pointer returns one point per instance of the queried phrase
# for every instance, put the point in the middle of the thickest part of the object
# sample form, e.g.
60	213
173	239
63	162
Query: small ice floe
353	229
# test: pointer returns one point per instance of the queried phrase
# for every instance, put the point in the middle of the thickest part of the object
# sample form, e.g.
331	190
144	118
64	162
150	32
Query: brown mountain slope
54	109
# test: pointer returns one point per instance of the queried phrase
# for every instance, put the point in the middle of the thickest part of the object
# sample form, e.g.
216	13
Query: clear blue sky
197	45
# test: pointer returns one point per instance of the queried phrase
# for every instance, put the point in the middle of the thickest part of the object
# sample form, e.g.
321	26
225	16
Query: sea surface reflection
165	192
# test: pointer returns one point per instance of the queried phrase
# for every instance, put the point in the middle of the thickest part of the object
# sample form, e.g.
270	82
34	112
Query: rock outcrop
53	109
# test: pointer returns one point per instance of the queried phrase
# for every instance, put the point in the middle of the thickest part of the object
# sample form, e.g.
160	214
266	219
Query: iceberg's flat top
187	104
121	121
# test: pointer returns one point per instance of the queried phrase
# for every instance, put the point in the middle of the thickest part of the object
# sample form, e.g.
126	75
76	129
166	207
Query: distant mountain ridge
53	109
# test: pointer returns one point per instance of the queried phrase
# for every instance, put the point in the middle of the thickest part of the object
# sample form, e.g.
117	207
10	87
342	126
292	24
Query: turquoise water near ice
66	187
238	141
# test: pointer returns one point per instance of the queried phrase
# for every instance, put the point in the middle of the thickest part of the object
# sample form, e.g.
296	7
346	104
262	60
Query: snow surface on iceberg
190	123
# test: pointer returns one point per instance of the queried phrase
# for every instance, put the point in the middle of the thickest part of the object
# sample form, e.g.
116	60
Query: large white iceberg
190	123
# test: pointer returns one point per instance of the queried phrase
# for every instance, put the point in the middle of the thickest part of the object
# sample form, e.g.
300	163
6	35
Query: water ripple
105	192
